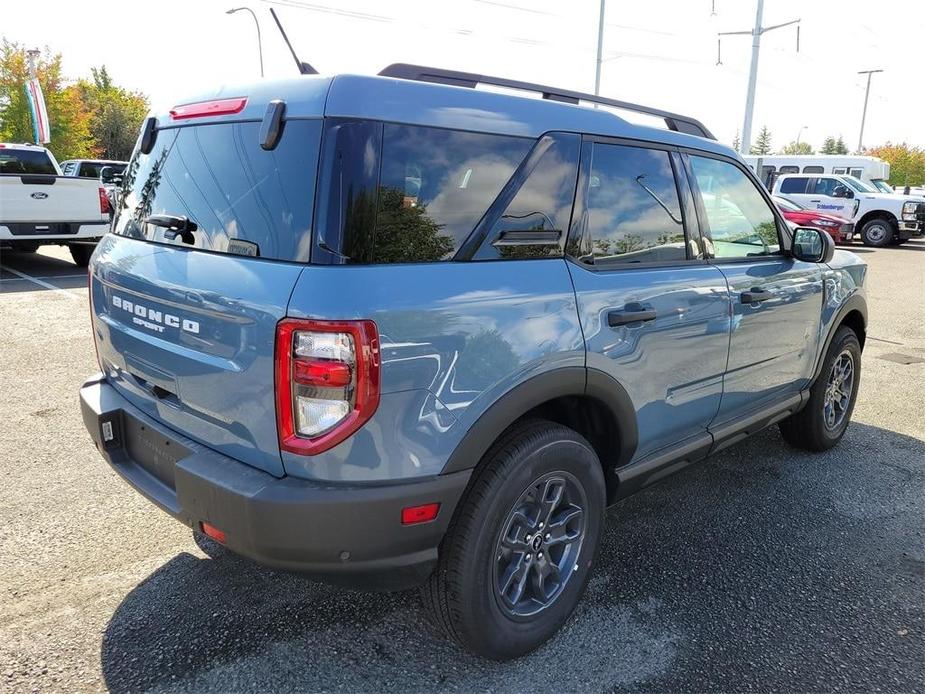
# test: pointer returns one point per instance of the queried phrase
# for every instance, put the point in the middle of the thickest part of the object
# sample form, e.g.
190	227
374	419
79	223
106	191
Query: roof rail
420	73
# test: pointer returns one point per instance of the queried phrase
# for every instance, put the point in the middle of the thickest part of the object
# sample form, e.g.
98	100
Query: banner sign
41	128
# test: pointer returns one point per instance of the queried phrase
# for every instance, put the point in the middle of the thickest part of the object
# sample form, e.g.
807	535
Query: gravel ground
762	569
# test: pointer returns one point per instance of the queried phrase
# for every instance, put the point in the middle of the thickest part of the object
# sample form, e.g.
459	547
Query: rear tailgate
40	198
186	322
188	338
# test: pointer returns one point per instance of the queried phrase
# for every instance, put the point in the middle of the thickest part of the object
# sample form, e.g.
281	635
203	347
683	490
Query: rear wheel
519	551
877	232
81	254
822	423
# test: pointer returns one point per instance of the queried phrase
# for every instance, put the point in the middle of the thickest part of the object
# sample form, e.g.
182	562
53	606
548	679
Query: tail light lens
104	201
327	381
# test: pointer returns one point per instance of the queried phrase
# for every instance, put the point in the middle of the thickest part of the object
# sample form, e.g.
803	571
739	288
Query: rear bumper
53	232
346	534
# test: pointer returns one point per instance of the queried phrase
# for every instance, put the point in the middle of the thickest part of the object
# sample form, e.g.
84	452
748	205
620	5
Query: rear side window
25	161
633	208
789	169
793	185
239	197
813	169
408	194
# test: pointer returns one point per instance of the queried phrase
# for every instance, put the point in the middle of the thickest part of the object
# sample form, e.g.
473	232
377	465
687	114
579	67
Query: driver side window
739	221
825	186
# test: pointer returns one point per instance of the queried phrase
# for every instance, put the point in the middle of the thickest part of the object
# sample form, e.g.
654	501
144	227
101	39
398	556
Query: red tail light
216	107
327	381
104	201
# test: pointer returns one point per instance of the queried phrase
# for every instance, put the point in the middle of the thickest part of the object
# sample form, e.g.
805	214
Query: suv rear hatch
211	236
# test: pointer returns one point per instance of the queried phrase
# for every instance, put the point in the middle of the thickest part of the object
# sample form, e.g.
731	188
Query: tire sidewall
504	636
844	339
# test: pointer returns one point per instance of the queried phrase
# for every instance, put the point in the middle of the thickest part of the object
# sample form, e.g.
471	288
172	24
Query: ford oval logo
40	196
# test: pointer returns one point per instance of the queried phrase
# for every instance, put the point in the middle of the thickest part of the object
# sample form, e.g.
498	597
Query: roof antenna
304	68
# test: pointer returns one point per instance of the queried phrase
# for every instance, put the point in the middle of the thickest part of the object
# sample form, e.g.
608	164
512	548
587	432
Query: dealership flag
41	128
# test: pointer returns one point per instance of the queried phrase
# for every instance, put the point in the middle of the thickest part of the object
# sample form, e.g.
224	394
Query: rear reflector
104	201
419	514
219	107
213	532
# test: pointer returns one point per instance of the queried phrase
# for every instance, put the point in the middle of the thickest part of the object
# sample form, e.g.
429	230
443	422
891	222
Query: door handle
755	295
815	200
631	313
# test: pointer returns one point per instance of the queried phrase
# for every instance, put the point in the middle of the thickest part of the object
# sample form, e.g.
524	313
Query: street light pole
869	73
600	48
800	132
259	42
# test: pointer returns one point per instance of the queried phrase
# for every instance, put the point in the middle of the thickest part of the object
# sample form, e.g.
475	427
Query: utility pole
600	48
869	73
753	70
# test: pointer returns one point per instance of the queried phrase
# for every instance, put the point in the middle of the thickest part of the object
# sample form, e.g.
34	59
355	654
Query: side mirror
842	192
106	174
812	245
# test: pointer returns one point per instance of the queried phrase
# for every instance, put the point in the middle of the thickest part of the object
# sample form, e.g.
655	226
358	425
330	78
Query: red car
840	230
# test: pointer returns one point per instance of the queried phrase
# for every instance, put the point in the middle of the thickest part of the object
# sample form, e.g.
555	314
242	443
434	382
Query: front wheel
518	554
822	423
877	233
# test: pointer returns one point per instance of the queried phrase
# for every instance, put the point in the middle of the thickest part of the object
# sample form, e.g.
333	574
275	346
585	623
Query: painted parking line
42	277
42	283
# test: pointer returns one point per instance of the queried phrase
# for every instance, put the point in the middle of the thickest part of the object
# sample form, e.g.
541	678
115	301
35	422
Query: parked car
39	206
395	331
840	230
879	219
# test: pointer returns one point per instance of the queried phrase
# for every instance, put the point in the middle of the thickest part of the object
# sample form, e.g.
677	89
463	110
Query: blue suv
397	331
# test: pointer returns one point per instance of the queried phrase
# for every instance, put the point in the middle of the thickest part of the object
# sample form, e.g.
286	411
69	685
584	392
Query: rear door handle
755	295
631	313
815	200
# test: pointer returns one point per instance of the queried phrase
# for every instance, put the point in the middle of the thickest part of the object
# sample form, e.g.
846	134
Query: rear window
25	161
91	169
408	194
238	197
793	185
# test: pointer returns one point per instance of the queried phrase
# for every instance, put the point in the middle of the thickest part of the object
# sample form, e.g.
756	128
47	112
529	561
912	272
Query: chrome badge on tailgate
152	319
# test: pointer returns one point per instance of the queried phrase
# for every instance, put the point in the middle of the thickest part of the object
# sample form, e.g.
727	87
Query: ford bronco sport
397	331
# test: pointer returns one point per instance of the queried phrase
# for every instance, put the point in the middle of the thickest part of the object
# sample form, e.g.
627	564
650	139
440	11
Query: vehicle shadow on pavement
60	274
762	568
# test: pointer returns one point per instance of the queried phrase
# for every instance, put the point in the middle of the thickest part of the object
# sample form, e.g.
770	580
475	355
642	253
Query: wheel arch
589	401
853	314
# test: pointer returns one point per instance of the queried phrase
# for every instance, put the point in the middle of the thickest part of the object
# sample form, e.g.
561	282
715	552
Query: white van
871	170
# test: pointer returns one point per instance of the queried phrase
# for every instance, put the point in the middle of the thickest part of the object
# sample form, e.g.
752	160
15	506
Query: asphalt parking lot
763	569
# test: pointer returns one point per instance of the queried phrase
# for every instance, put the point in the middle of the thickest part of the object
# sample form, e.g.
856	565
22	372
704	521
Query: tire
816	427
81	254
536	459
877	232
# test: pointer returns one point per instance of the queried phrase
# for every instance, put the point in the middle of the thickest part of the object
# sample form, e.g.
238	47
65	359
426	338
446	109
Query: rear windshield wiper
176	226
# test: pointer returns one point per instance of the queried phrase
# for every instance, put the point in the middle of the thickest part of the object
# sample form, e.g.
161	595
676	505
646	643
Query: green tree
797	148
763	143
840	146
832	146
907	163
116	114
69	117
736	142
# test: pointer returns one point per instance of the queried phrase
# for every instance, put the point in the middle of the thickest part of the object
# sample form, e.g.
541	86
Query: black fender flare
565	381
856	302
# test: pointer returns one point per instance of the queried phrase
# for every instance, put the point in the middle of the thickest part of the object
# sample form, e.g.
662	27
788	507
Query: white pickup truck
879	218
39	206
